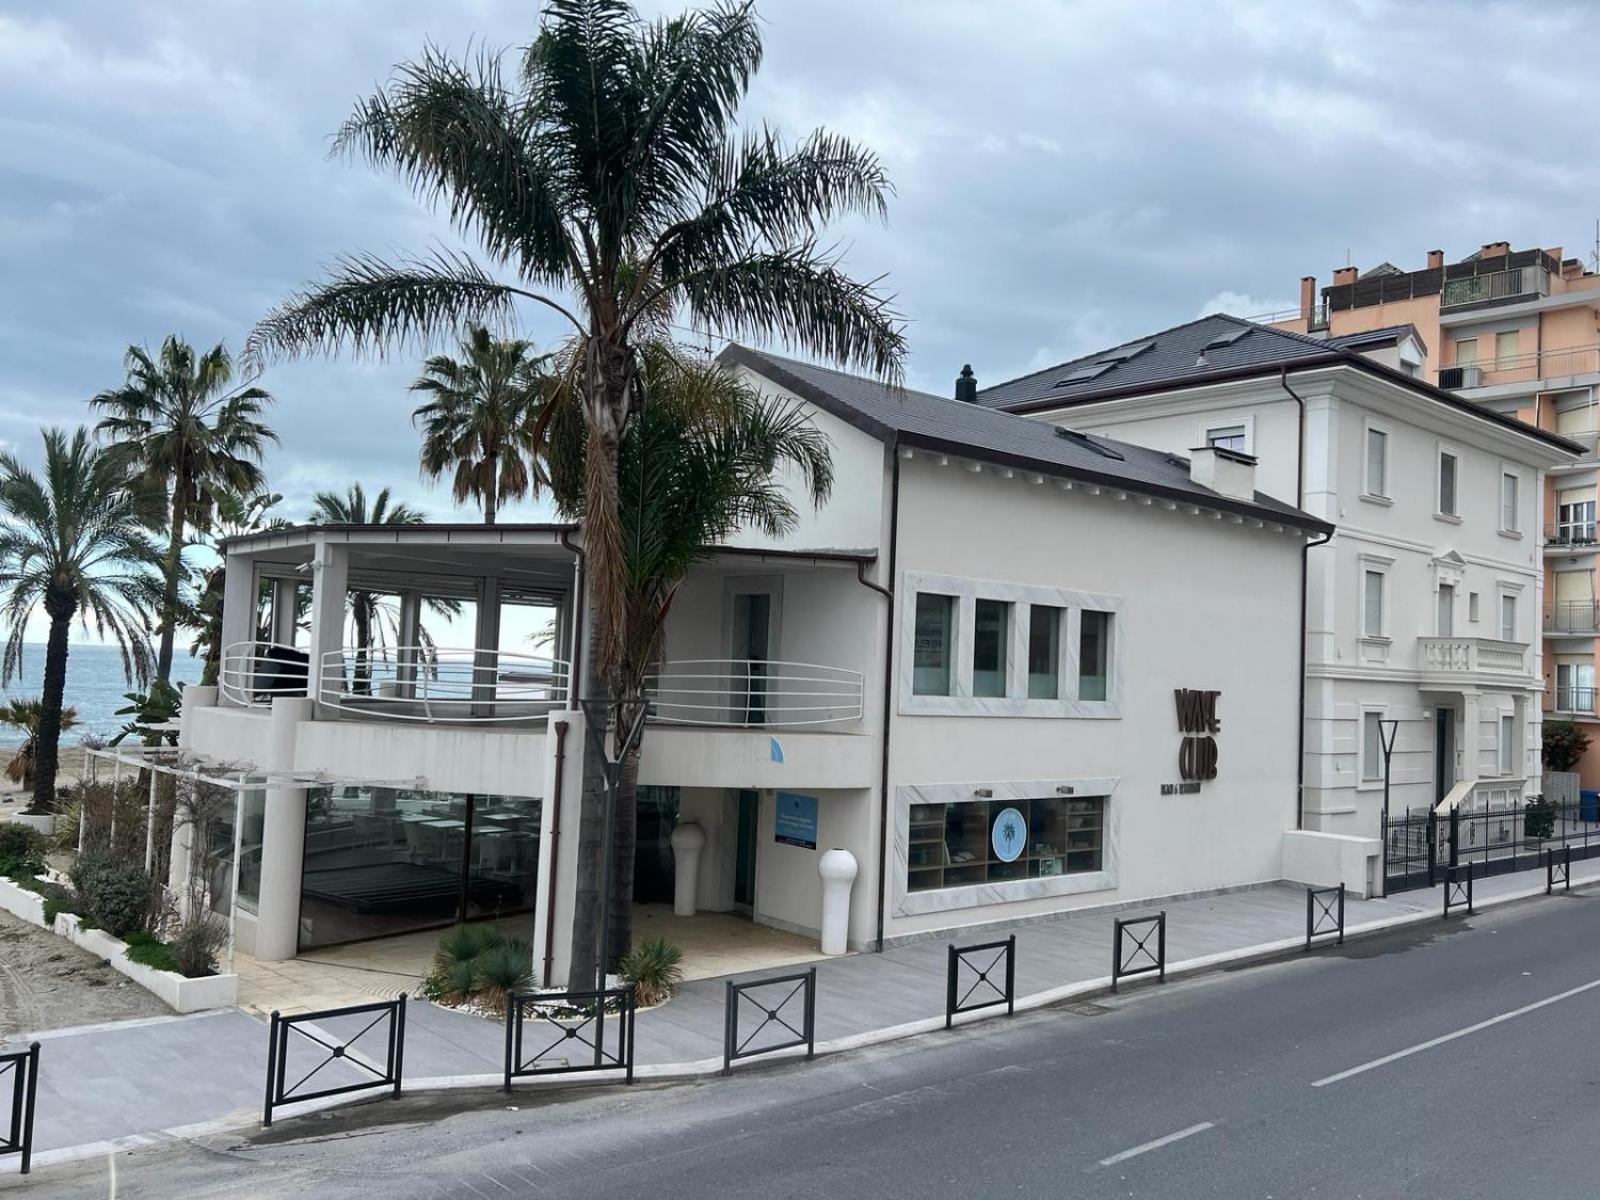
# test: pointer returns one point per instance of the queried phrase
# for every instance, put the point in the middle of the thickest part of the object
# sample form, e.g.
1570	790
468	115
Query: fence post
1161	943
398	1028
1011	976
513	1011
272	1066
811	1013
728	1023
632	1004
27	1107
1566	854
1116	953
951	960
1341	912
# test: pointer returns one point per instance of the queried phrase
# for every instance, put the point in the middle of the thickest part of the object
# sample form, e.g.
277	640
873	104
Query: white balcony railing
434	684
1469	655
747	693
253	674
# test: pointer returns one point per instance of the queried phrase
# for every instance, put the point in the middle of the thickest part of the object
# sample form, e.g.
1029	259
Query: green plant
1538	818
150	951
57	899
26	715
1565	743
481	963
463	943
501	970
149	712
119	896
21	850
655	969
198	945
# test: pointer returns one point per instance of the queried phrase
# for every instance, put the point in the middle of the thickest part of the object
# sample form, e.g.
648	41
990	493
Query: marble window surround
909	903
1015	703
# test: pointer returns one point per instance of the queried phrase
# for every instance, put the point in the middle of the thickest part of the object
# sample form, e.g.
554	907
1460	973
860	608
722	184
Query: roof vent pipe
967	386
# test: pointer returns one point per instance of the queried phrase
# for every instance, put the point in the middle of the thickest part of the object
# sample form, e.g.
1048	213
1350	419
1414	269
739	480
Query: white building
1425	606
1011	668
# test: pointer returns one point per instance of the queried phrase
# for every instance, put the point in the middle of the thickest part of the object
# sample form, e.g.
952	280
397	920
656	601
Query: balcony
1523	282
1572	534
1522	368
754	694
1572	616
1576	701
253	674
1448	657
433	685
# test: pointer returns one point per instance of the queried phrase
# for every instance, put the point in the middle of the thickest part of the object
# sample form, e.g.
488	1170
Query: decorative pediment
1449	567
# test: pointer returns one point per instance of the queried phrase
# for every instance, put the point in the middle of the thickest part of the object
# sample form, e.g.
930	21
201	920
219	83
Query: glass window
1505	348
991	630
1094	654
1447	610
1508	743
930	671
1226	437
993	841
1574	517
1575	684
1377	462
1371	746
1466	351
1508	618
1044	652
1372	614
1508	502
1447	484
1472	606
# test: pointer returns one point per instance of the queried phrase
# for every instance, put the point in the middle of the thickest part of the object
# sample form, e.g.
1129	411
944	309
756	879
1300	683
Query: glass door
744	866
752	642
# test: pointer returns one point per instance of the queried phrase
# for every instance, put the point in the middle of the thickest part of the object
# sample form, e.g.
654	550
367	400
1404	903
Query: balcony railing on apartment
754	694
1499	285
1578	700
1471	655
437	685
1522	368
1570	533
1572	616
253	674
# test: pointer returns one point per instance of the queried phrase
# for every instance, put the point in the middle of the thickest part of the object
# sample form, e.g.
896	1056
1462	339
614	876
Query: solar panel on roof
1227	339
1092	371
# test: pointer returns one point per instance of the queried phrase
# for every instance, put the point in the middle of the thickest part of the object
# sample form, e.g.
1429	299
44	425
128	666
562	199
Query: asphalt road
1461	1061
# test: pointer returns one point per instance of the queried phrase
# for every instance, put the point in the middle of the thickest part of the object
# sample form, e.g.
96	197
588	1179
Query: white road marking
1460	1033
1157	1144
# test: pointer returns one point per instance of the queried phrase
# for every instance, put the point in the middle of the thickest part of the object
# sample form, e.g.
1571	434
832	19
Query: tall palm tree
235	516
180	422
73	543
479	420
604	180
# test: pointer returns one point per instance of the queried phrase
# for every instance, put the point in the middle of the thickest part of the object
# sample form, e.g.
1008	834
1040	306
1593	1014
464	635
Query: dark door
1444	752
752	637
744	866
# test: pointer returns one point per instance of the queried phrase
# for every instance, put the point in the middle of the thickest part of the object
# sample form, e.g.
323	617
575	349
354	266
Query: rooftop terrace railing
754	693
434	684
253	674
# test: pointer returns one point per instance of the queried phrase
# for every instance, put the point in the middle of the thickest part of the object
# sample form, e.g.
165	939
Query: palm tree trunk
362	683
625	838
60	606
489	490
172	573
582	973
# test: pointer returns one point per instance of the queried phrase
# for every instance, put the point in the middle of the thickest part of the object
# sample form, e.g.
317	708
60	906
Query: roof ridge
813	366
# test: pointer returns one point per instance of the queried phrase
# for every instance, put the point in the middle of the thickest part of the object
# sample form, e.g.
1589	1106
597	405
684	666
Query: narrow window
1044	652
1371	746
1377	462
1447	610
1447	484
1508	744
1472	607
1508	502
991	630
1508	618
1094	654
930	674
1372	616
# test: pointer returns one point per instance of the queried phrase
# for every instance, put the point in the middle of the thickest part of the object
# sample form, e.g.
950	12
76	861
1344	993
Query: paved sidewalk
129	1083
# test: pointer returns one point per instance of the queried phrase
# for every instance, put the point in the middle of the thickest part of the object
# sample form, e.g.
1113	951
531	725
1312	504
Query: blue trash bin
1589	805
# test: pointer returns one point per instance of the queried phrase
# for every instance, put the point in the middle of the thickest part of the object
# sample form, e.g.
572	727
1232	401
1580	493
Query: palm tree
26	714
177	419
235	516
480	419
73	543
603	179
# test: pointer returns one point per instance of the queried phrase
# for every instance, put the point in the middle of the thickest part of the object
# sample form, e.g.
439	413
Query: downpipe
561	728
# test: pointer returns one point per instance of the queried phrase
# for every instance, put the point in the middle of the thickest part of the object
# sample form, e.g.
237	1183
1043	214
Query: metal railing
781	1015
1574	700
575	1023
1572	616
1324	913
434	684
1557	869
753	693
16	1135
1521	368
1570	533
981	962
1458	888
358	1072
1497	835
1497	285
1471	655
1130	948
253	674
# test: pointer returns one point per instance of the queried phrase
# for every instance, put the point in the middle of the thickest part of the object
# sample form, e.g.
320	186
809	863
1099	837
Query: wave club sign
1197	752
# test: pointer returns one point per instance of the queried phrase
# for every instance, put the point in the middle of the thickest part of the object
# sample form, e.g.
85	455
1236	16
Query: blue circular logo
1009	835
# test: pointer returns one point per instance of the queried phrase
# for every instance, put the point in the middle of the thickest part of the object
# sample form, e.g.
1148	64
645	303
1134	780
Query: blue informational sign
796	823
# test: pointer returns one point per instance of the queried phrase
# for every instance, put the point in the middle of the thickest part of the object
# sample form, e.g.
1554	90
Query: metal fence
740	1042
1558	869
17	1136
1419	846
1130	948
1324	913
569	1029
970	980
355	1072
1458	889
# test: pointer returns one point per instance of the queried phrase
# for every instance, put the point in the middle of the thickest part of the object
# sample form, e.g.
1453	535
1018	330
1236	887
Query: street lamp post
1386	730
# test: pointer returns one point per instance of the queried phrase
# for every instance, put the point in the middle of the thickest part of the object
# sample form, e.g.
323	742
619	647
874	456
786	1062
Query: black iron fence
1324	913
773	1000
1458	889
970	980
320	1040
1557	869
1131	949
16	1133
567	1031
1420	846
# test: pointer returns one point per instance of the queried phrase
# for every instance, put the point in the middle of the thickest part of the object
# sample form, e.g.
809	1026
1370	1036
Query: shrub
479	963
21	851
655	968
151	952
465	942
57	899
119	896
198	945
1564	744
501	970
1538	818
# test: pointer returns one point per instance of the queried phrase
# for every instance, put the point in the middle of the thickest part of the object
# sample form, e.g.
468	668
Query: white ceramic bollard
688	839
838	870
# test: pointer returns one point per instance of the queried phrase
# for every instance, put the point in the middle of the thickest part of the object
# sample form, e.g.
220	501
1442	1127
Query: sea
95	687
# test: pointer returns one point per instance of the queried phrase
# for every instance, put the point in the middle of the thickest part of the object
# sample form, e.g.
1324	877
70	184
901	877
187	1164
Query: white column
1471	732
330	576
283	837
283	610
238	616
409	636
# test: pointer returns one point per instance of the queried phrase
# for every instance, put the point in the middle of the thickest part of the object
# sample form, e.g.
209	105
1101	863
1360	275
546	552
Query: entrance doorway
744	864
1444	752
752	648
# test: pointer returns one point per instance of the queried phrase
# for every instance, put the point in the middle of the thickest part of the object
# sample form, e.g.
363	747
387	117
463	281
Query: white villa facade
1011	669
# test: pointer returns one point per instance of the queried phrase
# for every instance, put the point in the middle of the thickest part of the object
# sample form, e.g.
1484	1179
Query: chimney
1308	296
967	386
1435	259
1227	472
1494	249
1344	275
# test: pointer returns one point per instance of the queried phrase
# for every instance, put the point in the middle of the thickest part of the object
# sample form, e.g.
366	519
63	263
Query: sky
1068	175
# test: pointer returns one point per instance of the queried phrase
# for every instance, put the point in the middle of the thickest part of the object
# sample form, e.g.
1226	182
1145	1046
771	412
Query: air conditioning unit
1454	378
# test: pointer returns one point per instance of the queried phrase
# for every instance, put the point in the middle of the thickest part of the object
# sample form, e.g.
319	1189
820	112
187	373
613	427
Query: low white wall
1329	859
20	902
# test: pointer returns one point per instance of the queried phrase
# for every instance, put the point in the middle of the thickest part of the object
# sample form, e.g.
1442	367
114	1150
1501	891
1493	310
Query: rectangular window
996	841
1508	502
1226	437
1371	746
1377	462
1094	654
991	631
1574	517
1044	652
1466	351
1447	484
1508	618
1472	607
1508	744
1575	684
930	672
1372	605
1505	348
1447	611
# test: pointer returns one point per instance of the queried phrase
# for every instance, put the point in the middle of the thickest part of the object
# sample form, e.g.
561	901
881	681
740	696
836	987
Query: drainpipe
579	603
1305	570
555	855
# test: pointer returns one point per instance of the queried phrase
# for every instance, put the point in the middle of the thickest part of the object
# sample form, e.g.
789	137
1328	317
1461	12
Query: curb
707	1068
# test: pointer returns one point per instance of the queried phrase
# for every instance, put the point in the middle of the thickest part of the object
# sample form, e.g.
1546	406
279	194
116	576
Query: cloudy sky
1068	175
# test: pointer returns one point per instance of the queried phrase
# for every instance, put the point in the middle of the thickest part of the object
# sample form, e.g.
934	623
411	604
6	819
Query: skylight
1084	440
1229	338
1124	353
1092	371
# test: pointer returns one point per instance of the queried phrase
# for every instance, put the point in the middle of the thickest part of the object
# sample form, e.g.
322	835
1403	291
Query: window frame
952	644
1506	744
1376	714
1380	567
1214	423
1440	513
1514	529
1378	495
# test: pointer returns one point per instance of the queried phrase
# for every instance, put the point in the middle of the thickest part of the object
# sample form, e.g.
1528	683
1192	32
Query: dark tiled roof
931	422
1386	336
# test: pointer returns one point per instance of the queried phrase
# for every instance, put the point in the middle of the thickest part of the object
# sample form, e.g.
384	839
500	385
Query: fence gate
970	980
19	1068
568	1031
774	1001
303	1041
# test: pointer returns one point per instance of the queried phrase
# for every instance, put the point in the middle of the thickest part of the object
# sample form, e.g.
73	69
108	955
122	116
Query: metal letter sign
1197	721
